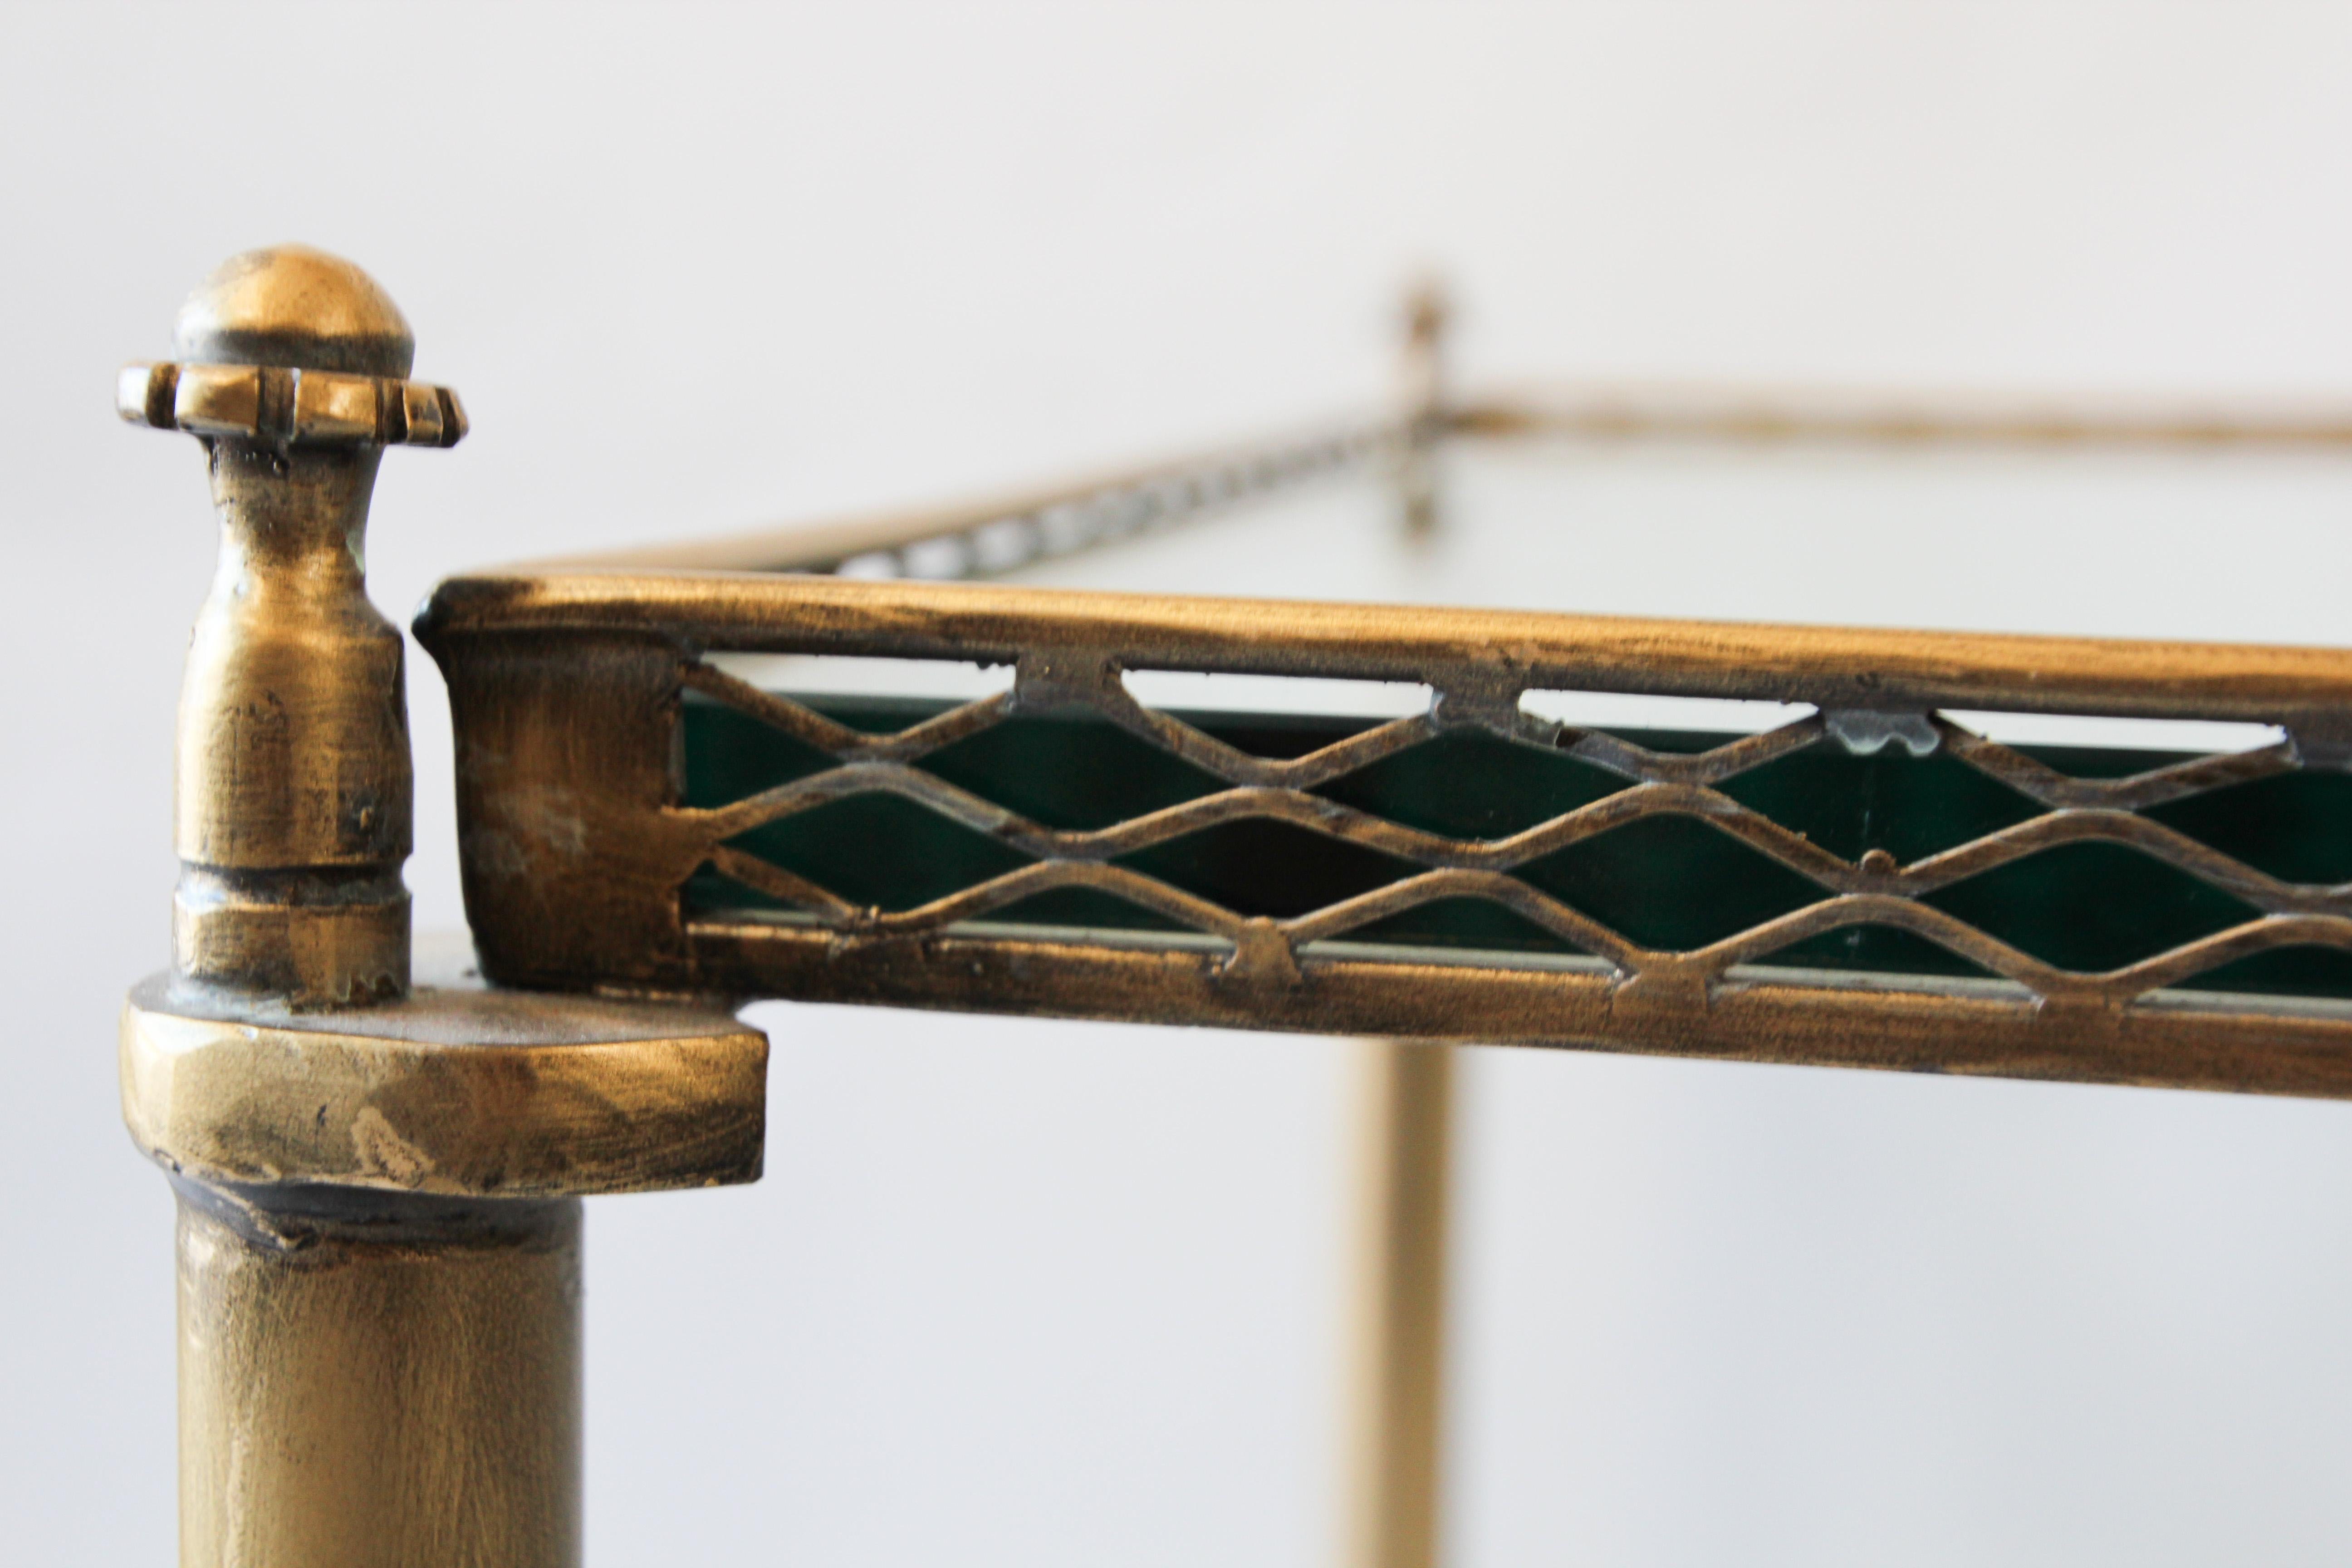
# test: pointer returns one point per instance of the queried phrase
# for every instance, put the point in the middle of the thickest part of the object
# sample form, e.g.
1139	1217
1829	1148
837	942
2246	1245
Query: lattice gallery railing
1005	533
1873	882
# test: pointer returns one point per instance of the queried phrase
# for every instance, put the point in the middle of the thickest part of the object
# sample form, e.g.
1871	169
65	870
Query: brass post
1404	1159
1422	385
379	1233
1397	1425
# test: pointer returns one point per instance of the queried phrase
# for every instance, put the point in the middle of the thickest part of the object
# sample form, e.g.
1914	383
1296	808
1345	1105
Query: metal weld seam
1754	751
960	806
1622	757
1112	700
1298	807
2256	936
2047	786
769	707
1719	811
1358	751
1134	887
1229	762
1948	931
803	722
935	734
1311	812
777	883
949	801
1561	919
2098	824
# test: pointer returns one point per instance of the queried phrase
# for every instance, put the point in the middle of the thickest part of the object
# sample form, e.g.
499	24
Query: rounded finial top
292	306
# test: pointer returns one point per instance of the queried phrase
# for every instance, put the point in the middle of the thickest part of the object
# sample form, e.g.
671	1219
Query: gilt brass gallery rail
589	861
1884	420
992	537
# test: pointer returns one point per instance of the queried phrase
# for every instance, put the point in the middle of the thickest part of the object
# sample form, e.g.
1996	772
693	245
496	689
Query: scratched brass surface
386	1391
458	1092
379	1237
292	794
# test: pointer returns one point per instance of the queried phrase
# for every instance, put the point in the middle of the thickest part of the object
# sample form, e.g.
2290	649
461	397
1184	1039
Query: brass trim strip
1815	1018
1887	418
1470	654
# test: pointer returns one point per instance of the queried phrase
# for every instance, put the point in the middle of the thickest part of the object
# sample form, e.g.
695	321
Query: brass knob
293	799
291	346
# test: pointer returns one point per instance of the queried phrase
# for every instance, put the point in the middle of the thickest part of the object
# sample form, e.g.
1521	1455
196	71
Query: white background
1057	1294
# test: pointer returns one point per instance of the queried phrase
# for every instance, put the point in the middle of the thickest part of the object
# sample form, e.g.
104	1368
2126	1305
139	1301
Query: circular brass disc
458	1090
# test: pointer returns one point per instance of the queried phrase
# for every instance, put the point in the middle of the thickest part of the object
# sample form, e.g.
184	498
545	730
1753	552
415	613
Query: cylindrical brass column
1422	424
379	1383
1396	1425
1394	1479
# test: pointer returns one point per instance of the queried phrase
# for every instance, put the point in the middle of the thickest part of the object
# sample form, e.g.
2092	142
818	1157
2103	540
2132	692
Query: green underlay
1670	882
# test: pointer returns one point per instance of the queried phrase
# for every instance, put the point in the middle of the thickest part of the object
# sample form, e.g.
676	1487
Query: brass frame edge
1810	1018
1872	667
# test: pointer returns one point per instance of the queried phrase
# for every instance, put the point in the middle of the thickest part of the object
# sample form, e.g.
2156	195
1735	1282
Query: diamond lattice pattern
2070	871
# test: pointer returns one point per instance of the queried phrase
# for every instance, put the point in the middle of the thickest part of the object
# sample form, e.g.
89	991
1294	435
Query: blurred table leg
1399	1292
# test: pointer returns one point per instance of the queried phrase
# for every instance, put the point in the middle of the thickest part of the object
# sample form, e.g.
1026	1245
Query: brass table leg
380	1383
1404	1155
1399	1384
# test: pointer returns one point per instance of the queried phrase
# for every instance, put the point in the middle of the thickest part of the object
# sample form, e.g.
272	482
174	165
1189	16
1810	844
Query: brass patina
379	1181
293	788
589	661
462	1092
379	1236
580	670
566	690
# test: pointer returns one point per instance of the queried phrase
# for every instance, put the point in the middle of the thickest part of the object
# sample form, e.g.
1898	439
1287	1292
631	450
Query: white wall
1058	1294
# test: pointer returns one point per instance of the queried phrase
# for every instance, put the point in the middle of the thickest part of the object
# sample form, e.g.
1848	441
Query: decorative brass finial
291	347
293	788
